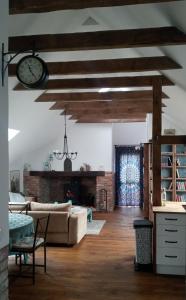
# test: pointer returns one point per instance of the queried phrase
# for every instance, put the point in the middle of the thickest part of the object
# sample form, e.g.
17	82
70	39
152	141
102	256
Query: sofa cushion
36	206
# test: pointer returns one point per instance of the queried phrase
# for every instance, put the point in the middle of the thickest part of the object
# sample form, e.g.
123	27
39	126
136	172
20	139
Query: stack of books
181	186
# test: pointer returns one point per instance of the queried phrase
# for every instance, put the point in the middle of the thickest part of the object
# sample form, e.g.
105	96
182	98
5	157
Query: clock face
32	71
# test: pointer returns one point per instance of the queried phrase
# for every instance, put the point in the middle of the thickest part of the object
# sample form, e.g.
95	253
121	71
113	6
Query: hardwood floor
99	268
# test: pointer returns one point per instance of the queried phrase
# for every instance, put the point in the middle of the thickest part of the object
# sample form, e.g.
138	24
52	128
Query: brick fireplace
90	188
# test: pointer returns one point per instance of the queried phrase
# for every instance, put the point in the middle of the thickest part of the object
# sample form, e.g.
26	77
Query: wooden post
156	132
146	189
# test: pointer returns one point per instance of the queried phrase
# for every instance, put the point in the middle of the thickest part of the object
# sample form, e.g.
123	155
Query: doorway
129	175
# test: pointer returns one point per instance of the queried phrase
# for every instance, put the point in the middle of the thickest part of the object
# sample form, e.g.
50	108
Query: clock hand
30	69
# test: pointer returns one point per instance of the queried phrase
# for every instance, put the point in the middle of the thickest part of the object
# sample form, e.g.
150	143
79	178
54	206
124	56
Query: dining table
20	226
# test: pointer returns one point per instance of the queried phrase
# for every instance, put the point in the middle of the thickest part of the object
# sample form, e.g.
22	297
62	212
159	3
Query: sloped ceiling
36	120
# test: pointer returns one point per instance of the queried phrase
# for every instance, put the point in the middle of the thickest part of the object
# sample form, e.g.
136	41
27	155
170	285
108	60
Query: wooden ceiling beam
112	116
102	104
115	115
98	105
38	6
139	64
108	112
106	82
96	96
129	38
111	120
98	111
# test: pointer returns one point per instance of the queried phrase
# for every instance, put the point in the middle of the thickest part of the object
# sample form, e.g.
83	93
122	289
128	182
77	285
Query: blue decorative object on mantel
47	166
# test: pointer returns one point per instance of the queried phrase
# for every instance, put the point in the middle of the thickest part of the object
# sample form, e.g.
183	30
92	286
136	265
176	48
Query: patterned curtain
129	171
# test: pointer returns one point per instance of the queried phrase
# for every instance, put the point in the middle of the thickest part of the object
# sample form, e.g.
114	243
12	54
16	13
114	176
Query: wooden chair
28	245
23	209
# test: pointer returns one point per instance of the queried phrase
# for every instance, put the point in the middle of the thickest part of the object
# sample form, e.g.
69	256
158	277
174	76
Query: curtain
129	176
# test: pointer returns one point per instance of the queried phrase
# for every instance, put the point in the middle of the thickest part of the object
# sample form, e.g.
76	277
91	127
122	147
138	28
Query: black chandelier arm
73	155
60	155
11	57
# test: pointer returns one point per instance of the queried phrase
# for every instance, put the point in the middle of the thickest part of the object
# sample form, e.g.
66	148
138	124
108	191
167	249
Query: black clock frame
41	81
11	56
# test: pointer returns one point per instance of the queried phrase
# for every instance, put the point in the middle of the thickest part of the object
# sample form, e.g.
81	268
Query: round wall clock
32	71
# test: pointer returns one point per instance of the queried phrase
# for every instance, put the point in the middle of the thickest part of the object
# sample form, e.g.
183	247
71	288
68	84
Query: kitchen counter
171	207
170	238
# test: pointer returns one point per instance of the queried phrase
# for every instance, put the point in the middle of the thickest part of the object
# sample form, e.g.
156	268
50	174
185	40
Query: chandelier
65	154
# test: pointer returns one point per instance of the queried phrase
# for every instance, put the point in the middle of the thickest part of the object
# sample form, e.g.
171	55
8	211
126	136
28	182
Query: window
12	133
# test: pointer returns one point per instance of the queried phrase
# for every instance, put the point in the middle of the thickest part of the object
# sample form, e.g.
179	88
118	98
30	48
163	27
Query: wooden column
146	180
156	132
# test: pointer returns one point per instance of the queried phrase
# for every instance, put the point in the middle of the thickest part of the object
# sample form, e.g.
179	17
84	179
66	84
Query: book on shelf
170	186
166	161
178	162
177	174
169	161
179	198
181	186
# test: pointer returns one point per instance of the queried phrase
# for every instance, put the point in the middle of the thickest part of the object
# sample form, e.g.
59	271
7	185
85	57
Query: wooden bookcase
173	172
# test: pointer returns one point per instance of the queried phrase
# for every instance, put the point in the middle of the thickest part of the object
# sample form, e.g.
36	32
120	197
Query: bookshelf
173	172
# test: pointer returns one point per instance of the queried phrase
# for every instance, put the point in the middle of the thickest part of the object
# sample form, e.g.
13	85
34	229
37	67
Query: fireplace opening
79	194
72	192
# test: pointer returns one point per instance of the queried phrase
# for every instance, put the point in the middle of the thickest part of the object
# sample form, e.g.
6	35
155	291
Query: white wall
93	142
167	123
129	133
4	135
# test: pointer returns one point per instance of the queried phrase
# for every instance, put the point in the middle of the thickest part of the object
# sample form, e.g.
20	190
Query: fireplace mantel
50	186
58	174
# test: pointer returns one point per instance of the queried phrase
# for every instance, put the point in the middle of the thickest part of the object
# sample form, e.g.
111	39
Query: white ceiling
35	120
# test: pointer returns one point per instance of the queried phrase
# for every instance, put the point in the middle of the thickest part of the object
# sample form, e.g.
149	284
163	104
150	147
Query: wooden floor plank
99	268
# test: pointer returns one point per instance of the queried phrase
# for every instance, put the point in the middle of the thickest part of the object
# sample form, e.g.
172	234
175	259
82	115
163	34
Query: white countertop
171	207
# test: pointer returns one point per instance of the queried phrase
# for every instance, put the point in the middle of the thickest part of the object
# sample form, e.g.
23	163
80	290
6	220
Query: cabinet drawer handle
171	230
171	219
171	256
171	242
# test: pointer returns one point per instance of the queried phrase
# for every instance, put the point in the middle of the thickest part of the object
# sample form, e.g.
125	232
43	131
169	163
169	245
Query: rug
95	226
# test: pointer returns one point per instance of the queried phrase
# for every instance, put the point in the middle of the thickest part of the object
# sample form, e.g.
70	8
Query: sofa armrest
30	198
77	226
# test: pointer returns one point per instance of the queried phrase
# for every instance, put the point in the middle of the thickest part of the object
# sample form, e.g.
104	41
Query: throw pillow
36	206
16	197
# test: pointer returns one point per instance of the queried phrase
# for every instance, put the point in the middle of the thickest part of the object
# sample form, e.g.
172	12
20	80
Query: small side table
75	209
89	214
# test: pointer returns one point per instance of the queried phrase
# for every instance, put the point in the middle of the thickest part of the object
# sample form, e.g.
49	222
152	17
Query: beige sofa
68	225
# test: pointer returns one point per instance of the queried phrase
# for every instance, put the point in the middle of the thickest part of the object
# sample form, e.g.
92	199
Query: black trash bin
143	233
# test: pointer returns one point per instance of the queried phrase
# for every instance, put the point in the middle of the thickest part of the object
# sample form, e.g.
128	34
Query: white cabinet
171	243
